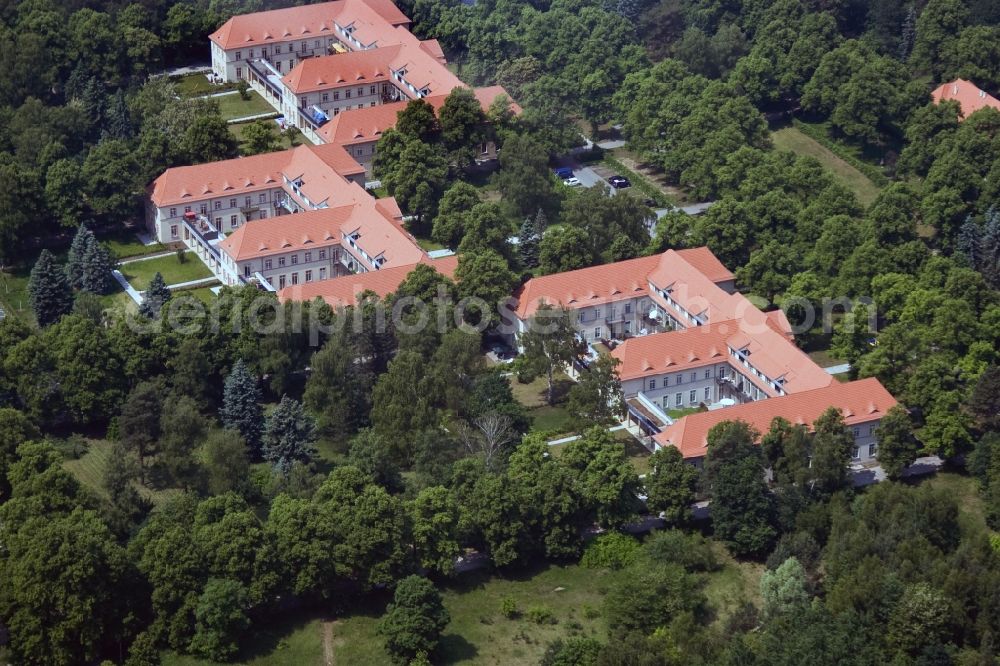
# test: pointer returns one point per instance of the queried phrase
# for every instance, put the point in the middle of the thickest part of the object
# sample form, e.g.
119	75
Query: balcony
252	208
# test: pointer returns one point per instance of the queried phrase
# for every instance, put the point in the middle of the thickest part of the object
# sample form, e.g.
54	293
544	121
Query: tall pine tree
49	290
528	240
241	409
83	239
97	266
909	34
155	296
288	435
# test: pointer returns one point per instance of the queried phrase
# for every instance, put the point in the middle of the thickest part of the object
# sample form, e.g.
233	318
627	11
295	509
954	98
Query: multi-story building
321	244
720	363
344	291
969	96
282	38
862	403
358	130
676	289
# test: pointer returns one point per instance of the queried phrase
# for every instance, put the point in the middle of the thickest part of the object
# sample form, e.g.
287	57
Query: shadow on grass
454	648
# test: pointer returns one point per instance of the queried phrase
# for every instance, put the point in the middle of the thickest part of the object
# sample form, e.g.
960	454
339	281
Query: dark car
619	182
564	172
650	203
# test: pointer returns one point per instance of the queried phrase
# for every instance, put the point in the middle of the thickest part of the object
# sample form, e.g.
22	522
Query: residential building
676	289
358	130
321	244
344	291
720	363
862	403
968	95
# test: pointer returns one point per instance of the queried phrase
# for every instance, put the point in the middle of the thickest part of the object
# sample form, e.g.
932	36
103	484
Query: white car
572	181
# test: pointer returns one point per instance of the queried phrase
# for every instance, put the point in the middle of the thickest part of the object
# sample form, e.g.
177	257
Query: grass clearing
733	585
14	293
125	244
284	140
479	633
793	140
295	640
965	490
140	273
89	470
234	106
197	84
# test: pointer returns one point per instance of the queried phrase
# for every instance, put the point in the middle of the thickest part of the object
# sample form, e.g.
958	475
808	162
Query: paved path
193	283
219	94
838	369
146	257
189	69
129	289
573	438
259	116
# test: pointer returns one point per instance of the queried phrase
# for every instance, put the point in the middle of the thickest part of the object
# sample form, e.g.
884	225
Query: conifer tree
74	262
969	242
97	266
288	435
49	290
909	34
528	243
241	409
156	295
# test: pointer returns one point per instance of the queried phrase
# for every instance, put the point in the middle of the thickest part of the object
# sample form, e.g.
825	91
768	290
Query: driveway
590	178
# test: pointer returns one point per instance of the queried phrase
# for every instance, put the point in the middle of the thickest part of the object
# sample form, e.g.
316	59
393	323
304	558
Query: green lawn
203	294
965	490
637	454
681	413
139	273
793	140
89	471
552	419
234	106
294	640
284	142
14	293
193	85
479	634
734	584
533	394
125	244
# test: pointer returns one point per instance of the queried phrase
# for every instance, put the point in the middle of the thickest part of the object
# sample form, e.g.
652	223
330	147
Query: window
246	270
372	104
187	209
281	282
246	201
295	259
597	313
173	212
278	65
322	273
303	46
303	102
694	376
360	152
347	94
708	393
680	379
652	384
336	95
250	54
309	257
316	44
232	221
281	261
855	453
263	214
239	72
871	429
322	254
873	450
361	92
267	264
277	49
263	197
597	332
628	308
232	203
239	55
693	396
295	278
857	432
309	276
326	97
218	205
372	91
218	223
173	231
679	399
708	373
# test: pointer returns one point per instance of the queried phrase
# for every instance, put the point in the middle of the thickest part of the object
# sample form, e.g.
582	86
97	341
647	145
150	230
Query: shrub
540	615
692	551
508	608
611	551
244	89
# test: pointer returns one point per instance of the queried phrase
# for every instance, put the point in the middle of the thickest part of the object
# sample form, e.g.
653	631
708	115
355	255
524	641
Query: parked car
619	182
572	181
564	173
651	203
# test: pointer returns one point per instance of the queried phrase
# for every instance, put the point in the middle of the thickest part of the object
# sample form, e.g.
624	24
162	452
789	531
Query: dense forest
252	474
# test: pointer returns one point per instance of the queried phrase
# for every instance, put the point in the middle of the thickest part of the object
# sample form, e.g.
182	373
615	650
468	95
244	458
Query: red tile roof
344	290
368	124
702	259
306	21
860	401
379	234
342	69
584	287
186	184
770	352
967	94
